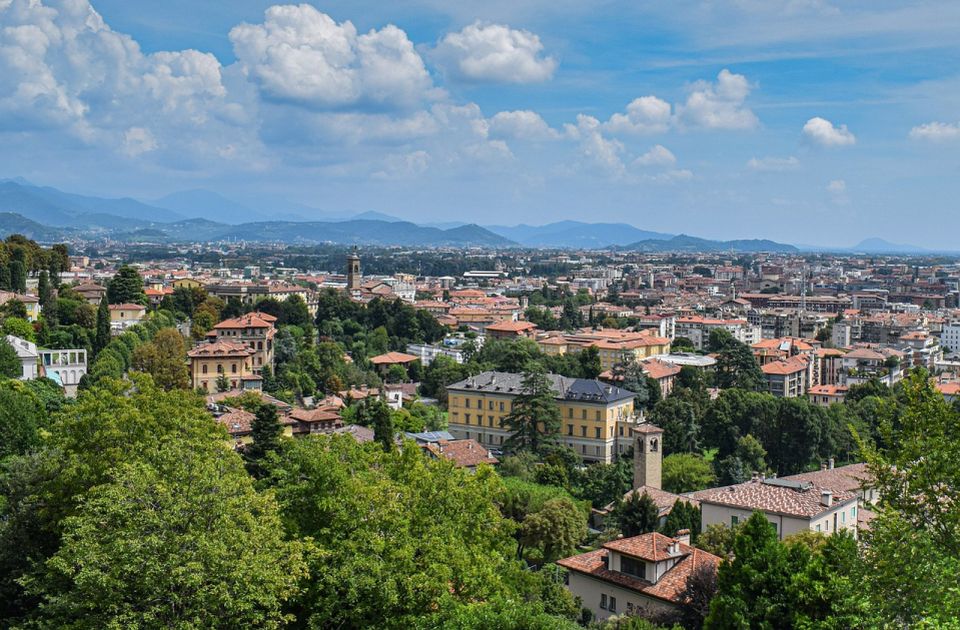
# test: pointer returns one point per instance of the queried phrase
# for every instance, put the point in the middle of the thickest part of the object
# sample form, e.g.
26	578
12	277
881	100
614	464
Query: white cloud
522	124
837	187
647	114
773	164
718	105
824	133
404	165
138	140
302	55
494	52
659	155
936	132
603	153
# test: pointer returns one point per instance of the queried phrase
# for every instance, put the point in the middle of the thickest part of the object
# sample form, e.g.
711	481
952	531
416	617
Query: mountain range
49	214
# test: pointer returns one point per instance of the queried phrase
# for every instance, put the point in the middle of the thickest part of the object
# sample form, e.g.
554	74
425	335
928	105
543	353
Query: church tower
353	272
647	456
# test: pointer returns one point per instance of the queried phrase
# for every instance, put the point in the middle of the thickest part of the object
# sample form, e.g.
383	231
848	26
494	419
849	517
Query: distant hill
206	204
373	215
53	207
364	232
880	246
575	234
685	243
12	223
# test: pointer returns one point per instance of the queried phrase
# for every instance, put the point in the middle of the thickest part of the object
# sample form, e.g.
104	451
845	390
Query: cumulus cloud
523	125
302	55
659	155
63	70
647	114
718	105
825	133
603	153
495	53
773	164
402	166
936	132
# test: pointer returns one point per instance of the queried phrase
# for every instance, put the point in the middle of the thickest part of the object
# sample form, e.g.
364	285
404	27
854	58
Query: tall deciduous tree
554	530
686	472
164	358
534	420
637	515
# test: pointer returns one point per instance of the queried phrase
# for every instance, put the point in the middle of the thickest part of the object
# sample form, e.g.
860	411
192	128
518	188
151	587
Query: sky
803	121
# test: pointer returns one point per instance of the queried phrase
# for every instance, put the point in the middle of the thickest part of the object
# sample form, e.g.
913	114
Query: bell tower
353	271
647	455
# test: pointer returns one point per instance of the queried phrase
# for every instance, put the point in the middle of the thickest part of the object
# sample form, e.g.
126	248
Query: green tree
183	541
22	415
202	322
686	472
554	530
534	419
223	383
18	276
126	287
915	470
48	303
736	366
637	515
683	515
19	328
589	360
10	365
266	432
102	337
164	358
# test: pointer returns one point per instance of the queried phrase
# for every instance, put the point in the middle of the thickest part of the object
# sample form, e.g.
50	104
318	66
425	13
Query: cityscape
308	321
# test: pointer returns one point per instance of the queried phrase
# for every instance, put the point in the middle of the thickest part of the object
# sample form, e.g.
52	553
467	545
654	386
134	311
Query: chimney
755	476
823	466
830	463
826	498
683	536
673	548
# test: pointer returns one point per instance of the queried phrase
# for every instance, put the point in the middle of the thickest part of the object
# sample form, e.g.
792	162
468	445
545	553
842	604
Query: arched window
653	445
204	368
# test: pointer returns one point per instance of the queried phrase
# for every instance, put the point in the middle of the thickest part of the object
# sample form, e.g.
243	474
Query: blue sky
805	121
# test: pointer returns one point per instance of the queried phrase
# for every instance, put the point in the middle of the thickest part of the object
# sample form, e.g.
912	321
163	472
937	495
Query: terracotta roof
865	354
250	320
127	307
789	366
772	496
671	584
220	348
393	357
662	499
508	326
828	390
657	369
850	478
463	453
320	414
237	422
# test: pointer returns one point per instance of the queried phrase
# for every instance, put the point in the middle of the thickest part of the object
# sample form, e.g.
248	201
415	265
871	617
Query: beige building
596	418
787	378
614	346
791	506
208	361
122	316
643	575
256	331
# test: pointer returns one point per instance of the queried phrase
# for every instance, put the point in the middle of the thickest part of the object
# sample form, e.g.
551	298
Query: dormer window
634	567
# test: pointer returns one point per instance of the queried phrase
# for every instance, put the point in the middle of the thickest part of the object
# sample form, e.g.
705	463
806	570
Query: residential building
643	575
123	316
426	353
255	330
27	353
65	367
511	329
826	395
232	359
698	329
596	418
787	378
790	506
383	362
31	303
614	346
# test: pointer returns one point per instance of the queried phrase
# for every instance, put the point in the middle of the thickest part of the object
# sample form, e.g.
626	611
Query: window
569	429
491	405
501	406
583	431
613	604
466	403
598	415
583	414
603	600
843	517
818	528
204	368
853	512
233	368
490	421
734	520
466	418
569	412
596	432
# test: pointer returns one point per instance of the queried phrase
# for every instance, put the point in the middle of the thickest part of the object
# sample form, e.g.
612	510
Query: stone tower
647	455
353	271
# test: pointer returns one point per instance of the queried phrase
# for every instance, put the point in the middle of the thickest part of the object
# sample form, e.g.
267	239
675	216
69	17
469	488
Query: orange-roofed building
210	360
511	330
255	330
643	575
787	378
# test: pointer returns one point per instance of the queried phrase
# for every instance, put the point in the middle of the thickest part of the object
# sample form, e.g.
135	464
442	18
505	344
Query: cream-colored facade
615	347
597	430
208	361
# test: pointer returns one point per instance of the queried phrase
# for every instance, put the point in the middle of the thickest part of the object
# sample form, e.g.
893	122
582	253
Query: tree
748	457
683	515
266	433
22	415
637	515
554	530
126	287
589	360
19	327
164	358
10	365
202	322
686	472
102	337
18	276
48	303
718	539
679	417
182	541
632	378
223	383
915	470
534	420
736	365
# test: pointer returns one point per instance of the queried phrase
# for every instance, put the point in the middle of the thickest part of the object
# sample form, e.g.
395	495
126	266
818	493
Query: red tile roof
250	320
464	453
391	358
220	348
775	499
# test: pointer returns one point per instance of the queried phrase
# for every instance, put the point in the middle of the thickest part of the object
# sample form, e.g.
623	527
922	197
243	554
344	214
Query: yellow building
186	283
596	418
614	346
208	361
